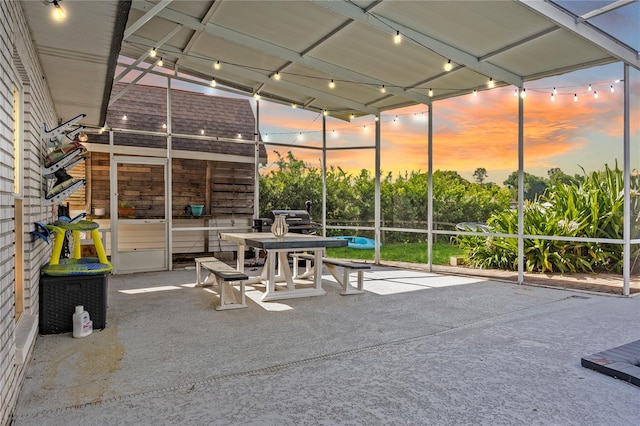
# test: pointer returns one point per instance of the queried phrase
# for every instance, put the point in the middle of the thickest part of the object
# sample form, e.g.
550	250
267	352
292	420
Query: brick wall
20	68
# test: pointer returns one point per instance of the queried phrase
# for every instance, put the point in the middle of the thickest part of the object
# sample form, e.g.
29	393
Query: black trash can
59	296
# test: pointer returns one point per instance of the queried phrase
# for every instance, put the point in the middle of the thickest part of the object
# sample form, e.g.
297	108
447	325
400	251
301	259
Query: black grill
299	221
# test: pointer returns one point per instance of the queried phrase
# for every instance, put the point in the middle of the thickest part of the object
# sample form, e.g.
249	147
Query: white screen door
139	215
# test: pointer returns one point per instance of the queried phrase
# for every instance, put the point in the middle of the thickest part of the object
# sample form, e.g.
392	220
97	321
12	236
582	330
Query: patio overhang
291	51
79	55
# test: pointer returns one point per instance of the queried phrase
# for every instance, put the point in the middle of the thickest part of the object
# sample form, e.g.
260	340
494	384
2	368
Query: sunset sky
477	131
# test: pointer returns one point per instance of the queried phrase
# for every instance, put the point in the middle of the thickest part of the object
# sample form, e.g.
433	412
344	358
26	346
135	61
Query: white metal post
520	186
626	257
430	189
324	175
377	207
169	183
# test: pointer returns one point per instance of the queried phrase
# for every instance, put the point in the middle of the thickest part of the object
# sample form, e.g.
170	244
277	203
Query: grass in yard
410	252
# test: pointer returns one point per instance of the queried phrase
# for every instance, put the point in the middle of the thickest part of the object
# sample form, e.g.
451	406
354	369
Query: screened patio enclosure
345	60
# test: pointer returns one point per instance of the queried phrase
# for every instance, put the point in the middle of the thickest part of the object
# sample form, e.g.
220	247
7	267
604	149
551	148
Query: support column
626	236
256	165
520	186
324	175
430	189
377	207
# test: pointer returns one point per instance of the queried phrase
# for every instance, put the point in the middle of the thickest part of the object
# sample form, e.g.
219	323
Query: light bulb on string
383	89
553	97
325	112
217	65
523	94
612	89
332	84
595	94
294	106
575	97
276	76
160	62
213	82
397	38
491	83
448	66
555	91
515	92
475	92
589	89
58	13
153	52
430	93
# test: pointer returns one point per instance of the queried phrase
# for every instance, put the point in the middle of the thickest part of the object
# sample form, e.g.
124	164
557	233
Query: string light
276	76
612	89
332	84
256	96
213	82
595	94
164	125
523	94
515	93
153	53
202	131
325	112
555	91
216	65
430	93
160	62
448	66
294	106
589	88
124	118
58	13
575	97
475	92
397	38
491	83
553	97
383	89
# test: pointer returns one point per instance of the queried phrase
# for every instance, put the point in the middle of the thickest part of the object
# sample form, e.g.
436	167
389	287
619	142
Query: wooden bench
333	265
225	276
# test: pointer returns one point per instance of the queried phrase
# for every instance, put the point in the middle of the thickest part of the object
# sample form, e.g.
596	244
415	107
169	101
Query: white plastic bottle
82	324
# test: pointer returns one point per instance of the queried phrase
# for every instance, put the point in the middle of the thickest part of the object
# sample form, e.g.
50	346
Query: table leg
240	258
317	277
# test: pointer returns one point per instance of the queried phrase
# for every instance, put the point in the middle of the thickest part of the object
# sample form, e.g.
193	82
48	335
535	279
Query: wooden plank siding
225	189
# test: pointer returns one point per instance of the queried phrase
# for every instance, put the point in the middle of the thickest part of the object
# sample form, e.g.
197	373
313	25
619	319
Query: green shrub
589	209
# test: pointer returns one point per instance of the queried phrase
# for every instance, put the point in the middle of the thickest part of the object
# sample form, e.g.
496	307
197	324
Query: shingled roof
219	117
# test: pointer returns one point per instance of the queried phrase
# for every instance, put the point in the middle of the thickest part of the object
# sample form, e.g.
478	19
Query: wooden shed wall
225	189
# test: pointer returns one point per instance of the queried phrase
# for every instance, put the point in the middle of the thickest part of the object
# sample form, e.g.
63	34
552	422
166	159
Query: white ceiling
310	42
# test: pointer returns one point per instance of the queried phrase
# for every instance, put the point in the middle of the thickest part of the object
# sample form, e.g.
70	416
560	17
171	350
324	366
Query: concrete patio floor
417	348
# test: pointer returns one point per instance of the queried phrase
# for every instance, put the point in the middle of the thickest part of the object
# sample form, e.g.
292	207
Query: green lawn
410	252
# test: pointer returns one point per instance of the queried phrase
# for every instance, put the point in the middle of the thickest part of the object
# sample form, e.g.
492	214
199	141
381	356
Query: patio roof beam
585	30
603	10
145	18
133	83
458	56
518	43
145	54
196	34
280	52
